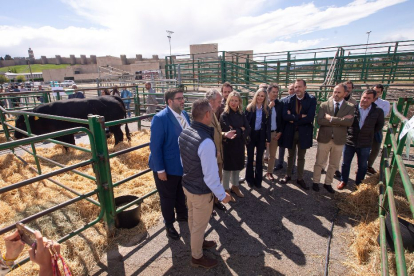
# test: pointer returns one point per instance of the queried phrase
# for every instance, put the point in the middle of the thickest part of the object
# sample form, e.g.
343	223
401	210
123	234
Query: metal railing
391	164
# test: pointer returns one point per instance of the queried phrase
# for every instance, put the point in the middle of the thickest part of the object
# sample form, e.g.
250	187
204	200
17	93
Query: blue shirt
258	123
363	115
207	153
273	125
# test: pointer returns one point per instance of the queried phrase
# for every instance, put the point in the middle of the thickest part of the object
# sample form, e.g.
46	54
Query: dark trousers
255	176
171	197
348	155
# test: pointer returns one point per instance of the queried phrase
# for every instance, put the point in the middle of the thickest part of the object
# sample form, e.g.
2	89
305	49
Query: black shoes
285	180
329	188
172	233
302	183
241	180
323	171
338	174
315	187
220	206
278	167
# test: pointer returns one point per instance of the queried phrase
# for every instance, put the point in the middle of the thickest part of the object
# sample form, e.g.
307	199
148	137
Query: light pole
366	47
169	38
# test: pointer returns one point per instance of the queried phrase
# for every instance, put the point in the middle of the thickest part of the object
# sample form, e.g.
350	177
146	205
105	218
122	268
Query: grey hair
211	94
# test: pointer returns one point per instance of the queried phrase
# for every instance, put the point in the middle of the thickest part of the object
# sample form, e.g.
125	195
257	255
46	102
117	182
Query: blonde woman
258	115
233	149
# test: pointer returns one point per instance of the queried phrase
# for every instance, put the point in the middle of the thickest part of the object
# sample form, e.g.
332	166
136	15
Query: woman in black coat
258	116
233	149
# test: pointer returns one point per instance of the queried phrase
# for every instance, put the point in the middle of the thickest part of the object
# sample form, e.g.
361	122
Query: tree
3	79
21	78
7	57
1	58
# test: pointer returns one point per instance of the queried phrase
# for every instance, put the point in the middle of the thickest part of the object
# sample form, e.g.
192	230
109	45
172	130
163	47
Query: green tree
3	79
7	57
21	78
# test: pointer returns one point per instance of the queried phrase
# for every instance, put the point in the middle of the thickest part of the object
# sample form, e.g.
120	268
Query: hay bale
84	251
363	206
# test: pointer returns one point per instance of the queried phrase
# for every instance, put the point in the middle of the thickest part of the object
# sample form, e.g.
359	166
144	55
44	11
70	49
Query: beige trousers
272	152
333	152
199	212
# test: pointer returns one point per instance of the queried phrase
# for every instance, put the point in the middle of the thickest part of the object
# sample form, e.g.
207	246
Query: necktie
183	122
336	109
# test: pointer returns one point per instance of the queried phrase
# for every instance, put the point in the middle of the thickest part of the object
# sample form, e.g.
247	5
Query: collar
340	103
257	108
175	113
367	109
300	98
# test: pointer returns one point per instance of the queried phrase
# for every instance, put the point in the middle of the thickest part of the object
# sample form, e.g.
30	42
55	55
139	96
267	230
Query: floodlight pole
169	38
366	47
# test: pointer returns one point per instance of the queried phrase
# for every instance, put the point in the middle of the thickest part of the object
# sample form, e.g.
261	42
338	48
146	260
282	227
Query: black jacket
362	138
233	149
265	125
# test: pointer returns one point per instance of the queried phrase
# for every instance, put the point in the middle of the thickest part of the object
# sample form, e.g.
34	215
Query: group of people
194	162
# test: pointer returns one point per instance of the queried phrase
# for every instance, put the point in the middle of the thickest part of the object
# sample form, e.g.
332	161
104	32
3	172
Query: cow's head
20	124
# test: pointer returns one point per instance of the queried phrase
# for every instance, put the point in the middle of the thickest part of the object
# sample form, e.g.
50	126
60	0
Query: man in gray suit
334	116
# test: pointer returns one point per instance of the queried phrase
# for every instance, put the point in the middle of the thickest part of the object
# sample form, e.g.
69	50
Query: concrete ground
276	230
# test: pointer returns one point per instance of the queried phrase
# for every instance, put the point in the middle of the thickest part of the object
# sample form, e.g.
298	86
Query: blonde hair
240	107
252	106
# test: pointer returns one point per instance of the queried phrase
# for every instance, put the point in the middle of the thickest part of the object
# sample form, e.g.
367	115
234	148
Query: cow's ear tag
36	118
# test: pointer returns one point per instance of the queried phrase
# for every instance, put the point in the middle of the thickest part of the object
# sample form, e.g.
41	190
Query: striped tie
183	122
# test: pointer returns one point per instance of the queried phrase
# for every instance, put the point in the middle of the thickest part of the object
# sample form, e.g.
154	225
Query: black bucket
128	218
407	234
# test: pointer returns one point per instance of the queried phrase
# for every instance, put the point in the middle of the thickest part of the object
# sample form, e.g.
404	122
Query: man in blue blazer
298	114
164	160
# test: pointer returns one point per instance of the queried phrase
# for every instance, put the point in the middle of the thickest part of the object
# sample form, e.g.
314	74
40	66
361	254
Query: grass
35	67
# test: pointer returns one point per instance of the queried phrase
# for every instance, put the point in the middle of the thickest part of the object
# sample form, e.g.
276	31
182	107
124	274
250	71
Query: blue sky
107	27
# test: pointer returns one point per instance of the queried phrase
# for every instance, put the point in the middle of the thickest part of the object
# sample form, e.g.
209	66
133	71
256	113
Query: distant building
31	54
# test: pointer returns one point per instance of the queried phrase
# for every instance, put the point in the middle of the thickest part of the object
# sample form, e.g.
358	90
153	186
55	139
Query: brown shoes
341	185
285	180
371	170
232	199
204	261
269	176
236	190
209	244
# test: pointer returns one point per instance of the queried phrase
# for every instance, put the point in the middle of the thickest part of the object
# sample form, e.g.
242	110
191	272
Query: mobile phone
26	234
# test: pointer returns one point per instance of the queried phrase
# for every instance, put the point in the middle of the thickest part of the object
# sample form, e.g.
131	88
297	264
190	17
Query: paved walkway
276	230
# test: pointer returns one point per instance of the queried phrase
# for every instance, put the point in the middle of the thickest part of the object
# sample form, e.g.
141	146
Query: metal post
103	171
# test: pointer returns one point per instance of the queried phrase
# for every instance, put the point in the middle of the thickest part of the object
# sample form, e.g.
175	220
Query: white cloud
138	27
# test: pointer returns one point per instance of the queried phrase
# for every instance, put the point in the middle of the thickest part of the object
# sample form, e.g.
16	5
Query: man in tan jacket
334	117
215	98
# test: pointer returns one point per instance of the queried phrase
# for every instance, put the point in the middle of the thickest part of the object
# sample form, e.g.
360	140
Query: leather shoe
302	183
371	170
278	167
204	261
315	187
172	233
220	206
323	171
341	185
241	180
209	244
269	176
329	188
285	180
338	174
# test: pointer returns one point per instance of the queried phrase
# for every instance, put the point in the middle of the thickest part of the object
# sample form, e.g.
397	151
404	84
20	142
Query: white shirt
384	105
207	153
178	117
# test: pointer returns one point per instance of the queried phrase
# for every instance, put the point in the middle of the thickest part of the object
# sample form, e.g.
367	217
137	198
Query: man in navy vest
164	159
201	179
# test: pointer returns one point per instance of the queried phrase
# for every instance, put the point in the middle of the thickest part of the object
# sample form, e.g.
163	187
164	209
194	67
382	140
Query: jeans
362	155
127	109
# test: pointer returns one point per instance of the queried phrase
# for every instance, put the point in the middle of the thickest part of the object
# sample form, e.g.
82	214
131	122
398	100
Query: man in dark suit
164	159
298	114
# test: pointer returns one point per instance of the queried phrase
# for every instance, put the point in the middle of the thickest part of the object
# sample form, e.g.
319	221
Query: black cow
110	107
